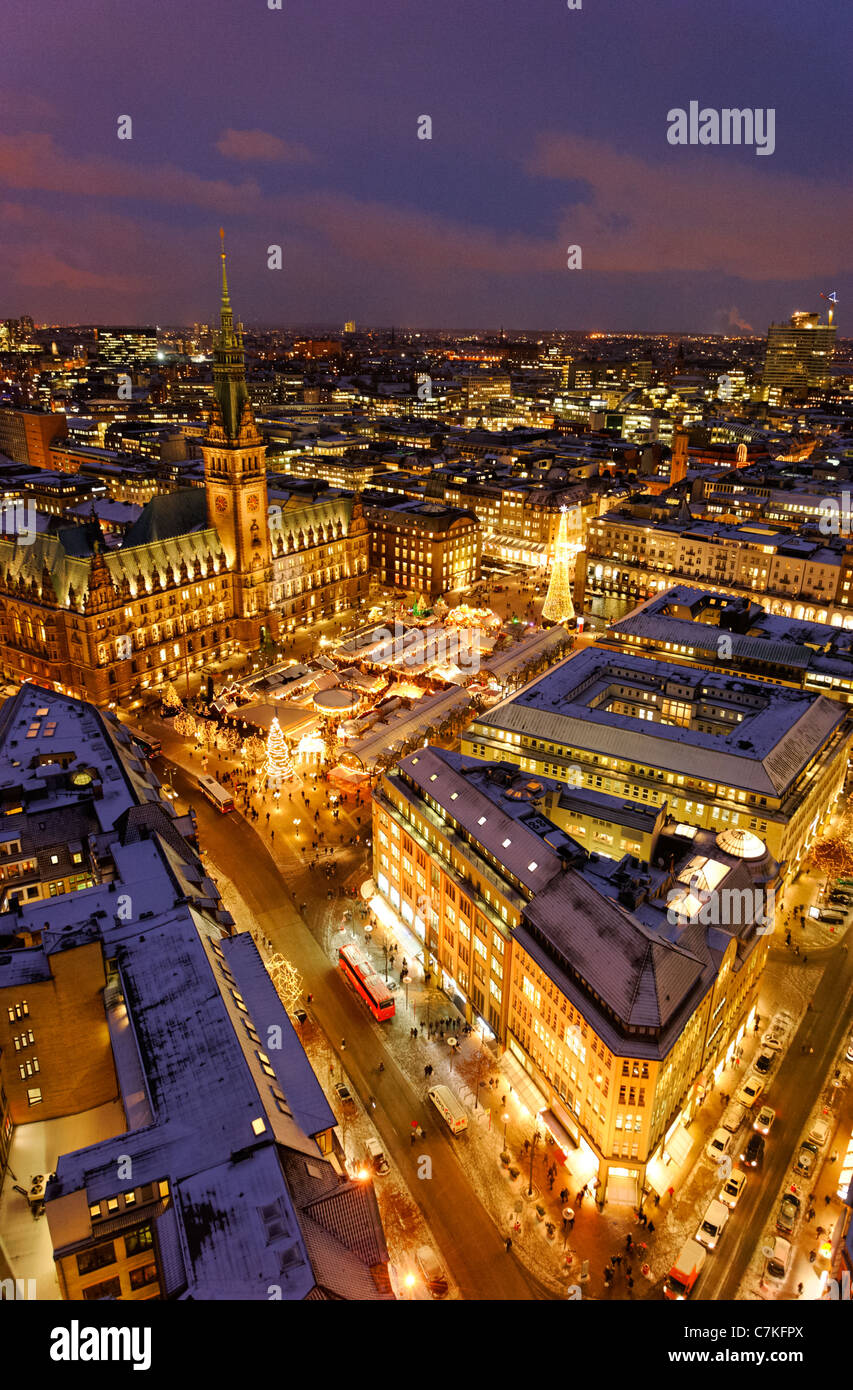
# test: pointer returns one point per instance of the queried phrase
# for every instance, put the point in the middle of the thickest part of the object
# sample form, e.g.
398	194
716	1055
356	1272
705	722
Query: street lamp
406	981
536	1137
506	1122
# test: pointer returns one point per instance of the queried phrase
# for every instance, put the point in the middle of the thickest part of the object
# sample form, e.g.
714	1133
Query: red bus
360	974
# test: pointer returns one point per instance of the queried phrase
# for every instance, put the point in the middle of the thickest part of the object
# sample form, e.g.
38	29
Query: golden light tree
278	764
558	606
170	697
255	750
287	980
185	724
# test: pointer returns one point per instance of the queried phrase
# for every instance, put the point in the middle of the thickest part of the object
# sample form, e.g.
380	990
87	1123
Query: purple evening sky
298	127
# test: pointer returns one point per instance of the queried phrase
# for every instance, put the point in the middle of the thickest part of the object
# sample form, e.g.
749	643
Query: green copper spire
229	366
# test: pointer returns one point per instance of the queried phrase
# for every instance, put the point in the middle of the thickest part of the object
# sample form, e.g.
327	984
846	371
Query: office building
423	547
695	627
633	553
799	354
617	1000
123	347
722	753
26	435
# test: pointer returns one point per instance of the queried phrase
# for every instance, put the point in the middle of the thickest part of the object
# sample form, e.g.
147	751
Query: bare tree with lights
287	980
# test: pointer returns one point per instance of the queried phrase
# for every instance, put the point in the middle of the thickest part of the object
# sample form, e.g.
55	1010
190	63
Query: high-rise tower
799	354
235	473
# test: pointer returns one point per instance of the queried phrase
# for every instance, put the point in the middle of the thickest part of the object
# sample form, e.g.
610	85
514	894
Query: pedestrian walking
617	1260
651	1228
799	1291
628	1242
508	1244
343	1044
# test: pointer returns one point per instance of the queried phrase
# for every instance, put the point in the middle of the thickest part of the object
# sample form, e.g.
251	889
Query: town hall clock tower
235	477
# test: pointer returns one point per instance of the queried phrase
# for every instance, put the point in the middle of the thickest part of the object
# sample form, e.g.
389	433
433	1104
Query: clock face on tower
221	504
252	504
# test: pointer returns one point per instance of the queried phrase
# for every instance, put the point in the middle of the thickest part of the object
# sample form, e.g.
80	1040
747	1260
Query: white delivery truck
449	1107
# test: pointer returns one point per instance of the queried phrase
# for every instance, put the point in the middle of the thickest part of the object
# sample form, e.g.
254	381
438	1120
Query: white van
778	1264
712	1224
449	1107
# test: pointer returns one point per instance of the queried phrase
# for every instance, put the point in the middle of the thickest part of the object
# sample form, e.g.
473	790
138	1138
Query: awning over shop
522	1084
558	1132
679	1144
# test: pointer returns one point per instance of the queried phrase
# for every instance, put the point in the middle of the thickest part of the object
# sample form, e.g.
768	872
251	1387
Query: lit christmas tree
278	764
558	606
170	697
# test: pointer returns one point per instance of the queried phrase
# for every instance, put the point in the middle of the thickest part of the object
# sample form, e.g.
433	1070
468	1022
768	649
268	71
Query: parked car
819	1133
750	1090
764	1061
719	1144
788	1214
763	1121
836	896
848	1056
375	1156
779	1262
732	1190
806	1158
753	1154
343	1094
779	1030
432	1270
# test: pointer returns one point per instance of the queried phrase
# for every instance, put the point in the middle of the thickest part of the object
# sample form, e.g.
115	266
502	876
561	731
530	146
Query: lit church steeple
231	395
235	473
